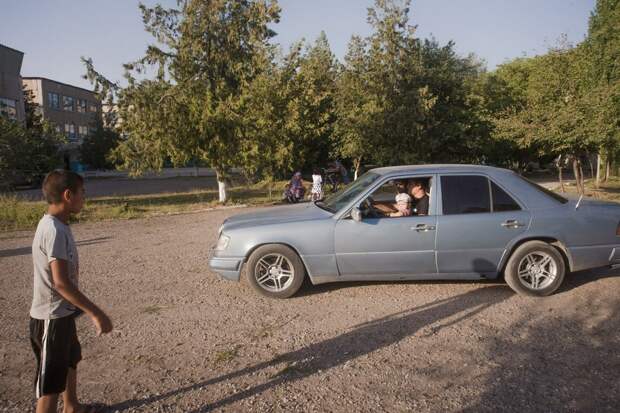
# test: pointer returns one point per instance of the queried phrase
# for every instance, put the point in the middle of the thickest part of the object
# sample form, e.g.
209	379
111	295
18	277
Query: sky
54	34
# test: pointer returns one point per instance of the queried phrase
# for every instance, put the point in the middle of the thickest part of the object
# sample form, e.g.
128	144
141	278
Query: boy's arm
65	287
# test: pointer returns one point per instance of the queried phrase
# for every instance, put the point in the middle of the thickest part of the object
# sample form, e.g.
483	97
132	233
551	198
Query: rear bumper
584	258
227	267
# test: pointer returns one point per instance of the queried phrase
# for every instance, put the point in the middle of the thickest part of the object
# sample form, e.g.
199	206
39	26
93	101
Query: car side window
465	194
501	200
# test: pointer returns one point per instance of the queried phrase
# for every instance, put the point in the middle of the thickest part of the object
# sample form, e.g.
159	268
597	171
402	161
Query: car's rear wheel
275	271
535	269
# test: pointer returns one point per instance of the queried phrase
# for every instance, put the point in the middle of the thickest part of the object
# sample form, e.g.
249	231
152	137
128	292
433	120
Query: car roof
509	180
437	168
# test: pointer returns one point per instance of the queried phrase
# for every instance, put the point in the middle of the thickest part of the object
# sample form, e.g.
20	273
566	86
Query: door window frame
432	205
439	199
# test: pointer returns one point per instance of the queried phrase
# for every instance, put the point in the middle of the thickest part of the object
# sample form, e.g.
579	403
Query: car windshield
341	198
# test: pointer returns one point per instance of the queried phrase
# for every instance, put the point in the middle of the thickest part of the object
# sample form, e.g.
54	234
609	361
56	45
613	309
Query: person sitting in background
295	190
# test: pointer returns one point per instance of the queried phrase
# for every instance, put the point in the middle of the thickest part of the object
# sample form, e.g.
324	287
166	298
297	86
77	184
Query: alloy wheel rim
537	270
274	272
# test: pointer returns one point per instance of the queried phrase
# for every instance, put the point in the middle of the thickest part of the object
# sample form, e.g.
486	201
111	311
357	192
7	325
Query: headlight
222	243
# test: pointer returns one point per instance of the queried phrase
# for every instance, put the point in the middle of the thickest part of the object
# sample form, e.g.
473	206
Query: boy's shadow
362	339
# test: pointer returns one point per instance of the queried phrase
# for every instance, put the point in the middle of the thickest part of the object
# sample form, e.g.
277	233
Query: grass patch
17	214
153	309
609	191
226	356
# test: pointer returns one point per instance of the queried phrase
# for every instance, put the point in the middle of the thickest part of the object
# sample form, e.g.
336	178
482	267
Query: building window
92	107
81	105
8	108
53	101
67	103
82	130
70	131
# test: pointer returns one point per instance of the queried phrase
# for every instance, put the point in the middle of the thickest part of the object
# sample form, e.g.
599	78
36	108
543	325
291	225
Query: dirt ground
188	341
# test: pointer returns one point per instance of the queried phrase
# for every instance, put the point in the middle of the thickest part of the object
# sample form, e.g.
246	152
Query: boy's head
64	187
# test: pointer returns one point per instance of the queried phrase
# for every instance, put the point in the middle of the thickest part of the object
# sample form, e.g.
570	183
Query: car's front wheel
275	271
535	269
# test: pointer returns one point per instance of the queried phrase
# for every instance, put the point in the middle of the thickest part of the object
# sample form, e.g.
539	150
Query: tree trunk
221	185
598	170
582	181
591	166
576	173
560	168
607	168
356	164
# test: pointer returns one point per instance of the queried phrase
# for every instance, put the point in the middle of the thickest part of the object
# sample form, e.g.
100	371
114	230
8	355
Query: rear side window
545	191
466	194
501	200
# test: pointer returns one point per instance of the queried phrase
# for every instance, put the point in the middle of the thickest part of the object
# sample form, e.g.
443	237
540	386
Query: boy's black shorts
56	347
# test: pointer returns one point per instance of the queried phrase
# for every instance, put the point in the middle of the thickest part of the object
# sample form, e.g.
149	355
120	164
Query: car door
376	247
478	220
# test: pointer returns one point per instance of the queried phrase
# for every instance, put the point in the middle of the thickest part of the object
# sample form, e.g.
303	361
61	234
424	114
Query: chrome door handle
512	223
423	228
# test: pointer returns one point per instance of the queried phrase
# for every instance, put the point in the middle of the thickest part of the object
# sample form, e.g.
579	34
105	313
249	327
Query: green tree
603	52
27	154
358	110
312	104
96	149
267	147
207	54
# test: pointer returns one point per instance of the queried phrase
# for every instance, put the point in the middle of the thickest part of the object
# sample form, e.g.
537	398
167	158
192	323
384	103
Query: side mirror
356	214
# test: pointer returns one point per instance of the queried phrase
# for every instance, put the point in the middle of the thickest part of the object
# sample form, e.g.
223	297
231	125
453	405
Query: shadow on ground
566	361
572	281
360	340
15	252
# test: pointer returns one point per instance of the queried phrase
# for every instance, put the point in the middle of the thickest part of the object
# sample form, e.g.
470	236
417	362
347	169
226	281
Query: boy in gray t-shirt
56	298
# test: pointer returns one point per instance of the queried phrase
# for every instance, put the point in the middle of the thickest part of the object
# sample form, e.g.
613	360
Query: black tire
267	252
518	259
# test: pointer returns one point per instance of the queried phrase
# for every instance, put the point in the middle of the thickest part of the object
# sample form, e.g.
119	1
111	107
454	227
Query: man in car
419	201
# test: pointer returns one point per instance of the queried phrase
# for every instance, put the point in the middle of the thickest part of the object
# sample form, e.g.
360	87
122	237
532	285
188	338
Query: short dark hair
57	182
416	182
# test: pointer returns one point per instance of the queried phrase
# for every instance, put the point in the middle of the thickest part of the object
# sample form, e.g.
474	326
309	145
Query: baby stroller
294	191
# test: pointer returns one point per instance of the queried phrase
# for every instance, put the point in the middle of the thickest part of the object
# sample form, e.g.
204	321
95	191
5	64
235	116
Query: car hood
276	215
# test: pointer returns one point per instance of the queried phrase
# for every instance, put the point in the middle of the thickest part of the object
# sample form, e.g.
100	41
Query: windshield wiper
323	206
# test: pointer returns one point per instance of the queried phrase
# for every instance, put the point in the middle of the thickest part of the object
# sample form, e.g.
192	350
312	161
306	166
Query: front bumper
227	267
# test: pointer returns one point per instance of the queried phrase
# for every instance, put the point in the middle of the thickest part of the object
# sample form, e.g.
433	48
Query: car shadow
360	340
572	281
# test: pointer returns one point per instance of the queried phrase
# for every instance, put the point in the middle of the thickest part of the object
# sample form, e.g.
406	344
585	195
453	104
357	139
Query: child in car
403	202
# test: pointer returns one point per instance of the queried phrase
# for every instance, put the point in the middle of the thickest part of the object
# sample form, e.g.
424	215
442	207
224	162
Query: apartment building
73	110
11	94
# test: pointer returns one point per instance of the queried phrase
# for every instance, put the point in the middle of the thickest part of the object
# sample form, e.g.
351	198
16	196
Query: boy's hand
102	322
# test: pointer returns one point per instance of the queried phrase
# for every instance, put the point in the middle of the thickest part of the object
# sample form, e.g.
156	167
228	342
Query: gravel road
187	341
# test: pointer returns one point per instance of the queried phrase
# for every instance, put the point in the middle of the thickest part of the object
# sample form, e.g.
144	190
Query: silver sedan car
462	222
